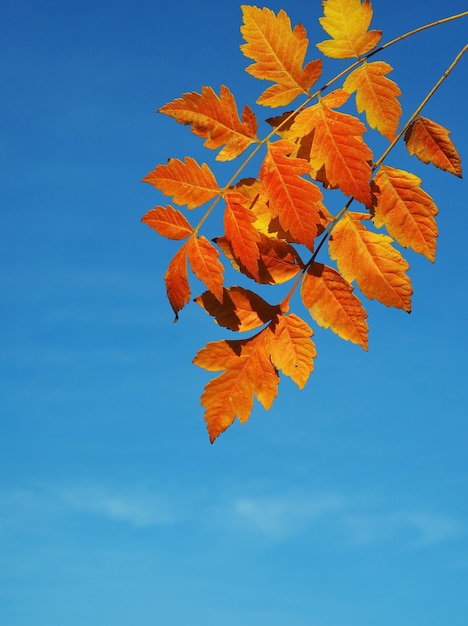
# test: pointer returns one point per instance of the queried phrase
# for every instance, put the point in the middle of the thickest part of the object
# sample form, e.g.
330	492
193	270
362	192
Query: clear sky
346	503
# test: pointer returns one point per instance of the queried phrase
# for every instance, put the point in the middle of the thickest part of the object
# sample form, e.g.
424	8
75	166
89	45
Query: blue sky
345	504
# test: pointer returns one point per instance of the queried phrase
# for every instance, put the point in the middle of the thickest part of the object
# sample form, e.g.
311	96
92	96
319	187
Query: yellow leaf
347	22
406	211
377	96
332	303
279	52
368	257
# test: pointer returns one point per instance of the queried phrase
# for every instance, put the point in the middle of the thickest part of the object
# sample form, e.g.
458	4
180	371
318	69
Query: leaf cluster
276	222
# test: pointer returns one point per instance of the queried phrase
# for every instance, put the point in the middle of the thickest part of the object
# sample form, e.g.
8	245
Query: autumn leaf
278	261
186	181
407	212
249	373
290	347
347	22
376	95
168	222
240	233
332	303
177	283
368	257
216	120
239	310
205	264
337	145
279	52
431	143
296	201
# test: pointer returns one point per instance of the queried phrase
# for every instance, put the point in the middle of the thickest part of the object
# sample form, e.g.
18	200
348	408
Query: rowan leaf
337	145
347	22
279	52
216	120
168	222
249	372
407	212
290	347
177	283
296	201
332	303
278	261
240	233
186	181
239	310
376	95
368	257
205	264
431	143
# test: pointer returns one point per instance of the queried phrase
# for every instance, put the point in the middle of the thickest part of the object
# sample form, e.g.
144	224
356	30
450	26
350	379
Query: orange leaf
240	309
278	261
332	304
240	232
406	210
279	53
290	347
368	257
177	284
431	143
249	372
337	145
168	222
187	182
347	22
296	201
216	120
203	258
377	96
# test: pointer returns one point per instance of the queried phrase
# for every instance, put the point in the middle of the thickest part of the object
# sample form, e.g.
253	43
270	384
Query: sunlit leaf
431	143
216	120
168	222
279	52
347	22
407	212
370	259
332	303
